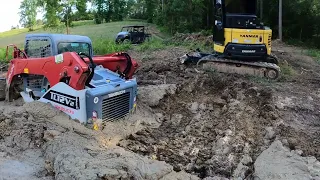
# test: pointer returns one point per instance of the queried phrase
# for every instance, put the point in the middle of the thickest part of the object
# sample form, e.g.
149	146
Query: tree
52	9
81	6
28	13
117	9
130	7
100	6
66	12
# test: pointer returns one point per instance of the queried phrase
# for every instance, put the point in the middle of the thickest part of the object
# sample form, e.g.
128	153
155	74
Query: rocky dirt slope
38	142
189	125
217	124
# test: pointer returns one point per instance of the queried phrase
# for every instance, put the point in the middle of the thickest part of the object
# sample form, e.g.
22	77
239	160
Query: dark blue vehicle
132	34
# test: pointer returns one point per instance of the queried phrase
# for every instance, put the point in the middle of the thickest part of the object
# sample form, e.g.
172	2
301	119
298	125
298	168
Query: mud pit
188	125
208	131
217	125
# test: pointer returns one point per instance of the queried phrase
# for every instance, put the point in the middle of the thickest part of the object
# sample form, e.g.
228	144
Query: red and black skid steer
62	70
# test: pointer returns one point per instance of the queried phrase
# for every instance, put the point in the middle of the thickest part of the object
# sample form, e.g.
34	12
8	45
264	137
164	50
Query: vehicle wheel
126	41
271	74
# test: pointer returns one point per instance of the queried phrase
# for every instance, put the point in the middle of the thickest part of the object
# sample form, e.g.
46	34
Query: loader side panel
68	100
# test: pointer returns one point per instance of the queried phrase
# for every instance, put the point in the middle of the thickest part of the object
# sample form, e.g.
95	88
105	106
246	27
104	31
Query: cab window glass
73	47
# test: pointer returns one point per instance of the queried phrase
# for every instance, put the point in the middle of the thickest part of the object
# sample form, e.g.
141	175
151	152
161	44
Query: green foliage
52	9
301	20
55	12
82	23
81	7
3	55
105	46
287	70
100	10
65	12
117	10
154	44
86	28
112	10
314	53
28	14
184	16
102	36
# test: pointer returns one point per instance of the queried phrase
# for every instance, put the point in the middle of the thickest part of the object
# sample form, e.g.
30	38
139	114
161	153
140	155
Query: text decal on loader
63	99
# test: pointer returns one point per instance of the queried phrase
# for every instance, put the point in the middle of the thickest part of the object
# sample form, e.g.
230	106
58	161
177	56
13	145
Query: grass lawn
88	28
102	35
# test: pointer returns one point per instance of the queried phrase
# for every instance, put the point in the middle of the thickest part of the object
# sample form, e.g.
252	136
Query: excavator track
221	64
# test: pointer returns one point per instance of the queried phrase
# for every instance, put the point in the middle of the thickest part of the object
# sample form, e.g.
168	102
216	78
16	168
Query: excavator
63	71
241	43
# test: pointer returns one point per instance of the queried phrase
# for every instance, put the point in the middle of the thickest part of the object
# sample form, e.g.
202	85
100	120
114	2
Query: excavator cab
238	33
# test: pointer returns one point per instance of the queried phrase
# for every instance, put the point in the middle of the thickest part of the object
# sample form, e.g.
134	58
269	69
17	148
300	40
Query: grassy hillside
102	35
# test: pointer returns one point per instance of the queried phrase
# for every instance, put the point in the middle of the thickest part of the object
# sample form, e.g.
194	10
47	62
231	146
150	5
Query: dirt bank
43	143
209	125
214	120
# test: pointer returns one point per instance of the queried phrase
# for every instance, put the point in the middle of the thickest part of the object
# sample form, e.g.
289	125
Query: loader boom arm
120	62
55	68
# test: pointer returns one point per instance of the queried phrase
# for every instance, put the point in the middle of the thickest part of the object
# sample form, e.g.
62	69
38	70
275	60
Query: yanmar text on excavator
241	43
62	70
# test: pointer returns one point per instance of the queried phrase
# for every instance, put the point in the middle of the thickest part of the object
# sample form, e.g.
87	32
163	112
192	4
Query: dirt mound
270	163
21	143
64	149
83	158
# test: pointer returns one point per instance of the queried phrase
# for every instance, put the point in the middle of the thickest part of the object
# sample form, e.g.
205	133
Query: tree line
301	18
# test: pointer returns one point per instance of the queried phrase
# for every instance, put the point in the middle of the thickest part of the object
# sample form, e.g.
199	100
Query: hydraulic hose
129	65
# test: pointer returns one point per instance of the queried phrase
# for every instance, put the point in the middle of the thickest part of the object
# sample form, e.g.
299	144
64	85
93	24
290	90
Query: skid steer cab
62	70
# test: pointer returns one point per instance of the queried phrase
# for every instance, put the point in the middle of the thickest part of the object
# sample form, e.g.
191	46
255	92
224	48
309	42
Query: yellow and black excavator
241	43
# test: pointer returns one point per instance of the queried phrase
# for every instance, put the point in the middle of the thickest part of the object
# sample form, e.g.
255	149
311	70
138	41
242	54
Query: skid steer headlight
134	102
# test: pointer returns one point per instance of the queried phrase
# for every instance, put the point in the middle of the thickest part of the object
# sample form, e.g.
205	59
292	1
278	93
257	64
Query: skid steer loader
62	70
241	43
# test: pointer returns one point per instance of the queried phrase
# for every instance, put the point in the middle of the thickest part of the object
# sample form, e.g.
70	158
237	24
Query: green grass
105	46
314	53
102	35
153	44
16	31
310	48
82	23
